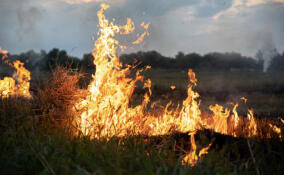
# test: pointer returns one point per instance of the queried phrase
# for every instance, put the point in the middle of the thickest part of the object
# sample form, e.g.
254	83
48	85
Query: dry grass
58	95
264	91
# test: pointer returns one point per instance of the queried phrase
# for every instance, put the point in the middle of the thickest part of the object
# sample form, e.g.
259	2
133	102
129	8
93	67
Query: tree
277	63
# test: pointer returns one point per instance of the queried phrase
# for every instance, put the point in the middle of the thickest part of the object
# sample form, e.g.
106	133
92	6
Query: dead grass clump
59	95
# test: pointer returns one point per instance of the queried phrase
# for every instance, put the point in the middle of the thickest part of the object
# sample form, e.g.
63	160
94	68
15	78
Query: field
36	137
264	91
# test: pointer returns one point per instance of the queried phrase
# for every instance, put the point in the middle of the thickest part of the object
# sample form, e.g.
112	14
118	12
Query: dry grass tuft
59	94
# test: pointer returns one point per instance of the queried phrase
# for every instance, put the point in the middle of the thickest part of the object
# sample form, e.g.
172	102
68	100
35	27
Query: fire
276	129
7	86
244	99
252	127
226	121
192	158
128	28
141	37
19	84
3	52
106	111
220	118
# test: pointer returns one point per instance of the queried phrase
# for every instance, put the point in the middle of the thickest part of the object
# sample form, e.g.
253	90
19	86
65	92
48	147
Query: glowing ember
19	85
107	112
244	99
276	129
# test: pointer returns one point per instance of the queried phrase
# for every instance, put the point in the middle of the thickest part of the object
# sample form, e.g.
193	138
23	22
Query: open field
264	91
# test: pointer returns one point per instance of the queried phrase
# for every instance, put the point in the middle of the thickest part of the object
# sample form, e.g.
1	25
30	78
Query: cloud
258	2
65	24
246	26
80	1
239	6
242	33
89	1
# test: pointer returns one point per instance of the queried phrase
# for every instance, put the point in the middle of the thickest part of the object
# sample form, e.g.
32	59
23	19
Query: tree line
46	61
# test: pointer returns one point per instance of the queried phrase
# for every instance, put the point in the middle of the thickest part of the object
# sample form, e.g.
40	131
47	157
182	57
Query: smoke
28	19
268	52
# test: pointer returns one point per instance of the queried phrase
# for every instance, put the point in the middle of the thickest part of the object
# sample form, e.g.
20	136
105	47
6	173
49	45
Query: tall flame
107	112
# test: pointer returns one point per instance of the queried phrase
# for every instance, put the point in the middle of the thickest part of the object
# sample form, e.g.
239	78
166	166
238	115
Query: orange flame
128	28
142	36
4	52
244	99
192	158
19	85
220	119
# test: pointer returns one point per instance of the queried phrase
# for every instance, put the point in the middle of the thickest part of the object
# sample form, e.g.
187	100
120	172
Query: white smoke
268	52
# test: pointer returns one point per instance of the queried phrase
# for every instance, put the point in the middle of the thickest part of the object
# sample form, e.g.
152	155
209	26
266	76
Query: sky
200	26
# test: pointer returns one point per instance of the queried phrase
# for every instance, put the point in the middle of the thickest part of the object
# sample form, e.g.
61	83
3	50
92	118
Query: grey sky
176	25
